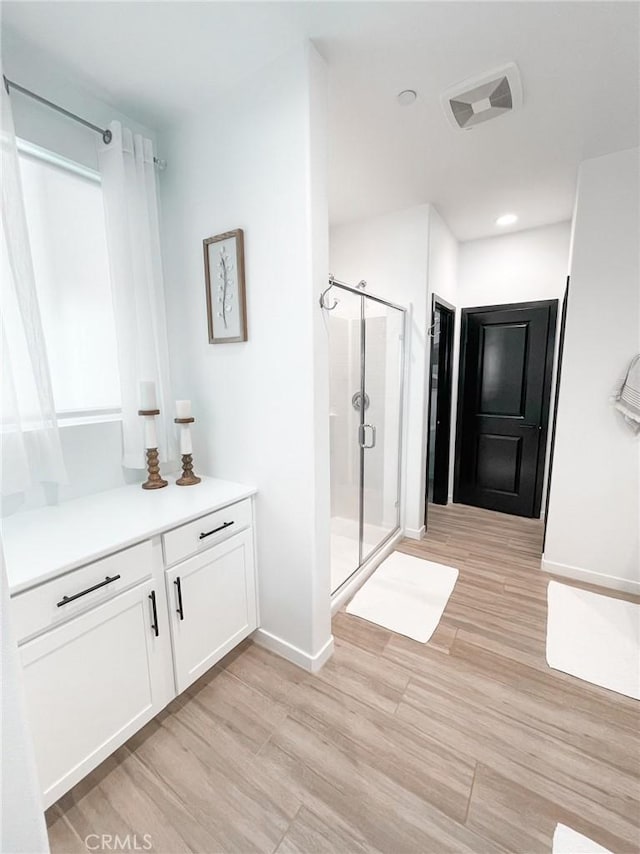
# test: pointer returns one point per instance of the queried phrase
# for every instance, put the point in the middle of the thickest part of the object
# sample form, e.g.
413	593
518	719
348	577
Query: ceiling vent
484	97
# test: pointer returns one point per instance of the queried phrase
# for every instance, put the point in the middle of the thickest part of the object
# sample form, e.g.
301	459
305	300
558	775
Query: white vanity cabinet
108	637
212	605
90	683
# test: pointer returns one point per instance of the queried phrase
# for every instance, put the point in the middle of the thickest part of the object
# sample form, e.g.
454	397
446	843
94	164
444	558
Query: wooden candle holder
154	481
188	477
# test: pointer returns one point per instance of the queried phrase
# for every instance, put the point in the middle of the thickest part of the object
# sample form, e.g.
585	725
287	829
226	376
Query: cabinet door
212	603
90	684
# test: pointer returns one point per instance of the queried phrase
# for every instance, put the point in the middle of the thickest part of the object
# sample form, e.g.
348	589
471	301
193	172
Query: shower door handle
363	443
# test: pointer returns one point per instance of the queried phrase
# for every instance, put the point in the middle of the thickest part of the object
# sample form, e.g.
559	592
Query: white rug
405	594
594	637
568	841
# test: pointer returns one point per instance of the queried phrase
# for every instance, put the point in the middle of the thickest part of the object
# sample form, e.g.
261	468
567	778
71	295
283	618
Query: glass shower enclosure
366	354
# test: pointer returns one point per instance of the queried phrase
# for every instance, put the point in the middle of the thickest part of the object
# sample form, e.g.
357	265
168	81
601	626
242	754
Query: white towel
627	400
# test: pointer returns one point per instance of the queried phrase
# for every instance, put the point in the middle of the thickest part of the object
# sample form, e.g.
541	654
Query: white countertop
41	544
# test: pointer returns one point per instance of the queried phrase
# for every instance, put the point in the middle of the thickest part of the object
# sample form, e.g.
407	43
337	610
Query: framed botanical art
226	295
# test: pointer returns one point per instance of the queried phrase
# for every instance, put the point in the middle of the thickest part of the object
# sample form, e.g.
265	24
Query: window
65	220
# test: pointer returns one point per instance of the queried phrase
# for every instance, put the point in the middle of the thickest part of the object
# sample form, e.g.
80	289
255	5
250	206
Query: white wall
391	253
443	282
317	208
92	452
443	260
519	267
256	160
594	510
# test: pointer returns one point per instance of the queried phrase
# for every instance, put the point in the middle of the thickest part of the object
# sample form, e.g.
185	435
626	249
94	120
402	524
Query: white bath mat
569	841
405	594
594	637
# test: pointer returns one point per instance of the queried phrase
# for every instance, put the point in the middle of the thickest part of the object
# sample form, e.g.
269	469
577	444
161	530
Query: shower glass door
366	366
383	328
344	324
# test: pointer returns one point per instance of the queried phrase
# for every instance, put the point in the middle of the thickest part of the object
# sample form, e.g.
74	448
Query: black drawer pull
215	530
154	624
66	599
179	590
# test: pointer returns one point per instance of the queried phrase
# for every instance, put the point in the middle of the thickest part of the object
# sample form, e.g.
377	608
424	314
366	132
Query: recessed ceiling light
406	97
507	219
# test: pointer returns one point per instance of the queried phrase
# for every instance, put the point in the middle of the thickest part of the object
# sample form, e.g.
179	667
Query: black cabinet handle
66	599
215	530
154	624
179	589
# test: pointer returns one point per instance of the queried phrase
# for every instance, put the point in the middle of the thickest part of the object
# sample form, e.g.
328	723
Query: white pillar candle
186	446
150	435
148	395
183	408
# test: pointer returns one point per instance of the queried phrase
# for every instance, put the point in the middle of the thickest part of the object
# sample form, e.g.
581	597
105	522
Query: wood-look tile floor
469	743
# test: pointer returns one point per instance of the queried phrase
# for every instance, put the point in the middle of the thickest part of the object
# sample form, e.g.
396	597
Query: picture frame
225	287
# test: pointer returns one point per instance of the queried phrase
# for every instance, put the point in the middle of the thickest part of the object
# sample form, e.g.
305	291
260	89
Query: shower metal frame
362	558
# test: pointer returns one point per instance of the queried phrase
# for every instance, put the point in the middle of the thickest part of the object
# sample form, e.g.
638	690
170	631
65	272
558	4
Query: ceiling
579	63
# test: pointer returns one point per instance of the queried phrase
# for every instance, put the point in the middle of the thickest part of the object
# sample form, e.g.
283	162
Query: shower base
344	547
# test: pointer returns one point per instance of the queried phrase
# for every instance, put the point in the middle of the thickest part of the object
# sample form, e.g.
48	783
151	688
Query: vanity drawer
53	602
207	531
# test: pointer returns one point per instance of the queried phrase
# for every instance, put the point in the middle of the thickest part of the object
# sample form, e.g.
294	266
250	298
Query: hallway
468	743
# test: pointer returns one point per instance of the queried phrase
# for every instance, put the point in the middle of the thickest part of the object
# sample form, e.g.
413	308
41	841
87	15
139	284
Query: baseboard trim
625	585
415	534
345	593
311	663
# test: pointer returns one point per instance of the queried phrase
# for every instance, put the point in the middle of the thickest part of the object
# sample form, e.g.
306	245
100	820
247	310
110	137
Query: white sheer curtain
133	240
31	451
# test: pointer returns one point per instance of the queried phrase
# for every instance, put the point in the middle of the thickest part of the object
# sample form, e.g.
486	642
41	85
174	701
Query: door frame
556	401
552	305
442	450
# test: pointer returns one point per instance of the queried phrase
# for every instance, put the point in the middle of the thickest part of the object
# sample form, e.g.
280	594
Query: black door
441	364
506	361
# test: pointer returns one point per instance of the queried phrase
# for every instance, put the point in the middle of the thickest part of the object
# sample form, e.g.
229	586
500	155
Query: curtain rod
105	133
